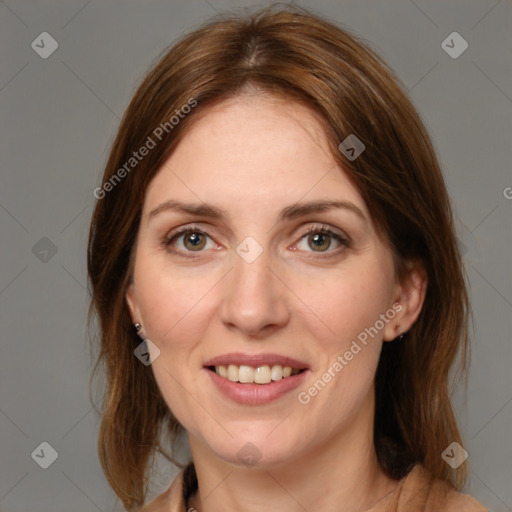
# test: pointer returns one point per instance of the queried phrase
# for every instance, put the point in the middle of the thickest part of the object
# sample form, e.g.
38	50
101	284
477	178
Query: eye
321	239
188	240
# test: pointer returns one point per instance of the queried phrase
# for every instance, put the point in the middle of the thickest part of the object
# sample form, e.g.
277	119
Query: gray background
59	116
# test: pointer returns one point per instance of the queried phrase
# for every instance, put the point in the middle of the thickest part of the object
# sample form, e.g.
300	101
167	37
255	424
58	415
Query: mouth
263	374
255	379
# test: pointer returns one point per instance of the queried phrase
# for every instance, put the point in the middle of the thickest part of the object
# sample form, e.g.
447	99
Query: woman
274	226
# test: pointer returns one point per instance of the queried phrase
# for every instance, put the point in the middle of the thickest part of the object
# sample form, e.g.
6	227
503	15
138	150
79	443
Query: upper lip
256	360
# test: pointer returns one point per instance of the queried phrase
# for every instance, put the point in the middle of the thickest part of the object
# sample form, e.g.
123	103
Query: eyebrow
289	212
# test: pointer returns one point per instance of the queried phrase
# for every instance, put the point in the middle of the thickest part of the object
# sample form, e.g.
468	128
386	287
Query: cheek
349	305
177	307
346	305
174	303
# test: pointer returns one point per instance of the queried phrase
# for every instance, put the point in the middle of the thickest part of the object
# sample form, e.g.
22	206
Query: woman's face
255	290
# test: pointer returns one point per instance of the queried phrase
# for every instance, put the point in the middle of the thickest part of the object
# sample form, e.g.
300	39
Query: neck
340	475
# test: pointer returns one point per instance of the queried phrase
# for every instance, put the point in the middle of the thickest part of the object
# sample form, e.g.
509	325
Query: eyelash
324	230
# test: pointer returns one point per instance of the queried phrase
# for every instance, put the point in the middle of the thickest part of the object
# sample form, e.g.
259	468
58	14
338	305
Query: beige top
416	492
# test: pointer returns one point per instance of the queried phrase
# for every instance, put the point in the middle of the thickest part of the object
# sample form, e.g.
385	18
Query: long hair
301	57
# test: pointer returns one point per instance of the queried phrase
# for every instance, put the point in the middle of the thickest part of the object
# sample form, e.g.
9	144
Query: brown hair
303	58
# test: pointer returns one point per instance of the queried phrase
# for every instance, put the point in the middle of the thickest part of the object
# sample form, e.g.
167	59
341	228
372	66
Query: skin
251	156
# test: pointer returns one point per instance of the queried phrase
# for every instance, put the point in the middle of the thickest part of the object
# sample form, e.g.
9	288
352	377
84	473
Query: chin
257	449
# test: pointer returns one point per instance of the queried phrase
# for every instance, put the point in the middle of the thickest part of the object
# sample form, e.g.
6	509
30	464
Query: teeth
260	375
232	372
245	374
277	372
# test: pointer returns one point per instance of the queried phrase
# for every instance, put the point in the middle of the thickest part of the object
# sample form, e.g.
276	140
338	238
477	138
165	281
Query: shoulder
464	503
169	501
433	495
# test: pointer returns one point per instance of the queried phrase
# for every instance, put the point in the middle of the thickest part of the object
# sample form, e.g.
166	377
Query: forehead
260	149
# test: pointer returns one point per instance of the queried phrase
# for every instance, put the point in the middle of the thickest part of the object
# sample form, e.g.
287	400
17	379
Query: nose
255	299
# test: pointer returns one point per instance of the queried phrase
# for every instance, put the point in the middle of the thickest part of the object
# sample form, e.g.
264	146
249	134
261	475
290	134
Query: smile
260	375
255	379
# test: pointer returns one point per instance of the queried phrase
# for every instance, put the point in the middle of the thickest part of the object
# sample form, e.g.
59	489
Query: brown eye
188	241
319	241
323	241
194	241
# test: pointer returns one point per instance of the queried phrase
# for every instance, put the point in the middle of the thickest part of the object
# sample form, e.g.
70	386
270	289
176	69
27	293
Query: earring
139	330
401	336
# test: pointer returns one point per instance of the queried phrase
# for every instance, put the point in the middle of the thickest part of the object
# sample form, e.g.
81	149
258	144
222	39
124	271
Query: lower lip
256	394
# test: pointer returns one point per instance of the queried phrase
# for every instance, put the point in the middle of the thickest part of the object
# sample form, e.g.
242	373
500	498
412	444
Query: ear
131	301
408	300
